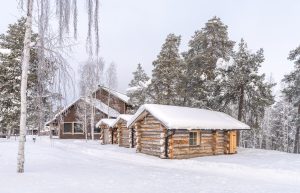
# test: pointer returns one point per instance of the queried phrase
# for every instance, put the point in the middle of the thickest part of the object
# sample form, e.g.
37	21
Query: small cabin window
78	128
193	138
67	127
97	130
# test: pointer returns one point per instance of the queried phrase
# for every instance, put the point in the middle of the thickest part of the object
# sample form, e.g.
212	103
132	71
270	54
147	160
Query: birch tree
64	10
25	66
111	81
91	75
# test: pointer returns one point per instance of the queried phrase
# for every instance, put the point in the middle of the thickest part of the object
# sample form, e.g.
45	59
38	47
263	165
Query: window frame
74	128
195	138
64	128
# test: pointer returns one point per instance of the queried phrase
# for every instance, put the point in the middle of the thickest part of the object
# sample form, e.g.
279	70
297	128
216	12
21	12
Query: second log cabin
126	136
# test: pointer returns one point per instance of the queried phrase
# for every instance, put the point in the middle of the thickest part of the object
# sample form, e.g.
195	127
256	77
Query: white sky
133	31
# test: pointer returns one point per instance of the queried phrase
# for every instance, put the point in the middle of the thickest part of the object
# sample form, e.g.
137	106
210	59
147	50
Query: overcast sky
133	31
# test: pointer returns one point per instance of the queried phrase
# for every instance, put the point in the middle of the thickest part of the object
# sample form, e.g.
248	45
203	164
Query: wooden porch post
138	137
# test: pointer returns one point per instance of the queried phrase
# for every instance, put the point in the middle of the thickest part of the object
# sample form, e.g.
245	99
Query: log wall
124	136
151	140
210	142
108	135
149	136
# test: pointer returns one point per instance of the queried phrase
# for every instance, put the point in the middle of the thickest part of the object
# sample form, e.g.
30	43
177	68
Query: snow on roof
95	102
102	107
108	122
125	117
62	111
121	96
175	117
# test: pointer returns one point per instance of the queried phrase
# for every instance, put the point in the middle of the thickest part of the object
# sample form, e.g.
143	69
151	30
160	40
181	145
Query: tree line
213	75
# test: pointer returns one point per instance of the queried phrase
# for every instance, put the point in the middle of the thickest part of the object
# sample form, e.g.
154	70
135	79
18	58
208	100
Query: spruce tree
139	75
292	91
206	47
137	90
165	75
10	73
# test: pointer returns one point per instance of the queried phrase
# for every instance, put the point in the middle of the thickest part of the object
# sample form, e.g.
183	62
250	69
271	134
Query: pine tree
137	90
207	46
165	75
248	90
292	91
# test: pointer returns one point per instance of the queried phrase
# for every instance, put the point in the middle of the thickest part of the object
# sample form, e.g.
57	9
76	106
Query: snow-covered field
74	166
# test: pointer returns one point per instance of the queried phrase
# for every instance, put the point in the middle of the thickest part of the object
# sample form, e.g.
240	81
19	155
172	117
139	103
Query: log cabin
180	132
107	103
108	133
126	136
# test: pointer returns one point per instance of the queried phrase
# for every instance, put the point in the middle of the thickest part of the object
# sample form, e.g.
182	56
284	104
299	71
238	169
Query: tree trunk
240	112
25	67
8	133
85	123
92	121
296	146
108	103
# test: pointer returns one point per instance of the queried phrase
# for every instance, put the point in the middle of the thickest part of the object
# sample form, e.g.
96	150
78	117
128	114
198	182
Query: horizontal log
155	143
151	153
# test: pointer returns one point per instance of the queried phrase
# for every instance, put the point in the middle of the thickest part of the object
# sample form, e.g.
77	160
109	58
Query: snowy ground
74	166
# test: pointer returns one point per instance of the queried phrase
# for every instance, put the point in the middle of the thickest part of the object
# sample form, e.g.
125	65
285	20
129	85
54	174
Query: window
193	138
78	128
97	130
67	127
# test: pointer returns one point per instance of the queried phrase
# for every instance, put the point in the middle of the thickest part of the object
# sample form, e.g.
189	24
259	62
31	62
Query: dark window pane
67	127
97	130
78	128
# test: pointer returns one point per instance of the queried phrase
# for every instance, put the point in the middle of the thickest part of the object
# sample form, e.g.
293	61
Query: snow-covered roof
62	111
95	102
102	107
176	117
121	96
108	122
125	117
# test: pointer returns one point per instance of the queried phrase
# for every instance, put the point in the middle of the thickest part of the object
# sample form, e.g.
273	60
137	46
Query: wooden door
232	141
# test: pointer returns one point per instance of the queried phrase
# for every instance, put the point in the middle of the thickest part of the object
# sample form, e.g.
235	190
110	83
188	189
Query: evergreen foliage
292	91
247	89
206	47
137	90
10	73
165	75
